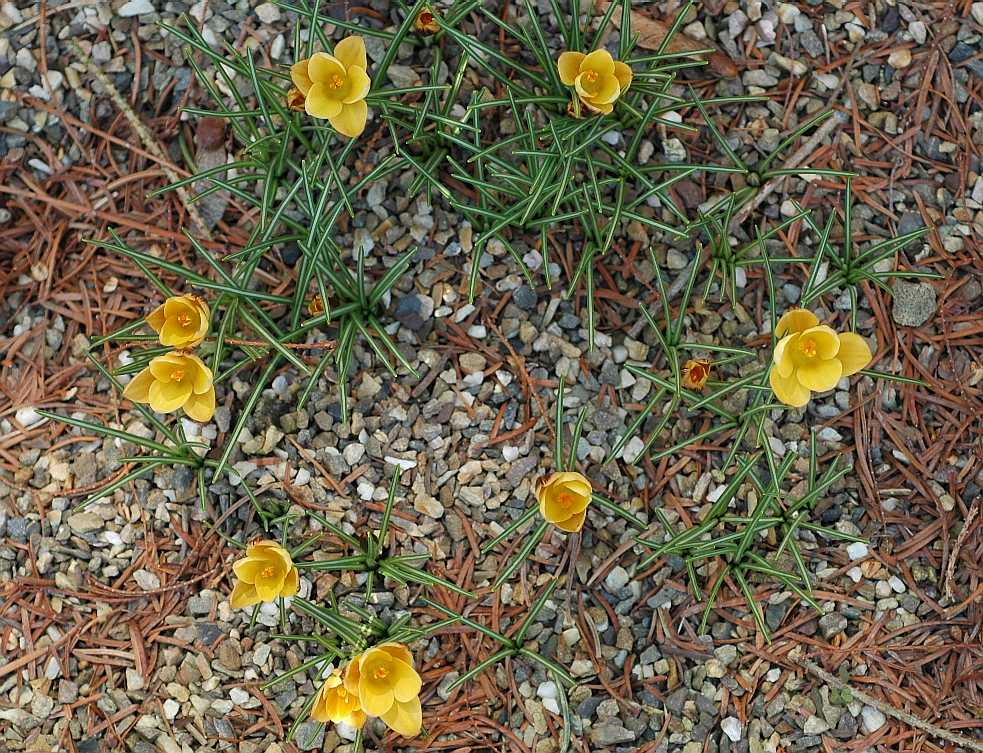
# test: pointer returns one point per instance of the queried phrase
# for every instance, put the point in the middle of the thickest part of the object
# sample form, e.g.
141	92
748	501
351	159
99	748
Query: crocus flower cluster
380	682
179	379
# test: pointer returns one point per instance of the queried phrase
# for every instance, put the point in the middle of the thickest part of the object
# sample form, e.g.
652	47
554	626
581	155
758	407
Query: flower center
177	375
426	18
267	572
380	673
808	348
336	82
590	76
184	320
565	500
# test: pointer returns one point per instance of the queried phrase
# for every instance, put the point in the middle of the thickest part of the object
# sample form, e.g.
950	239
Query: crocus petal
291	583
351	52
607	91
138	390
562	503
268	588
298	74
352	675
782	356
203	375
243	595
168	396
276	554
321	102
173	334
599	61
248	568
358	85
569	66
573	480
854	353
820	376
788	390
350	122
405	719
322	67
156	318
624	75
406	682
163	366
572	524
398	651
321	710
603	109
826	340
586	88
201	407
375	701
795	320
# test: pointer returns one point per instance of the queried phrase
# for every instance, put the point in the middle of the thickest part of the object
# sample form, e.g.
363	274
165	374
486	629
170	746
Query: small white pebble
857	550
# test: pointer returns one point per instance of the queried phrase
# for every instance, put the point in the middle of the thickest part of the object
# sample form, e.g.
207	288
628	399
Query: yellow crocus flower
597	78
181	321
175	380
563	499
387	687
812	357
265	573
335	704
334	86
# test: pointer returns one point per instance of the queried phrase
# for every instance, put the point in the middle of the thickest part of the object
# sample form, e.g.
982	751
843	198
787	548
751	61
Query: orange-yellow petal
572	524
201	406
795	320
608	90
351	52
168	396
358	84
568	66
291	584
351	120
406	682
138	389
782	356
243	595
854	353
156	318
624	74
323	68
599	61
820	376
298	74
322	102
788	389
405	718
826	340
397	651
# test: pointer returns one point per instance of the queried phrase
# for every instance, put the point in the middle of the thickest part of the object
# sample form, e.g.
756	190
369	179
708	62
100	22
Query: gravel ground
115	628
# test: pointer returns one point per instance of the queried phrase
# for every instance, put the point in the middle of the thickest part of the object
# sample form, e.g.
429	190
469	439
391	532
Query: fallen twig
950	569
884	708
834	121
149	142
